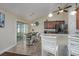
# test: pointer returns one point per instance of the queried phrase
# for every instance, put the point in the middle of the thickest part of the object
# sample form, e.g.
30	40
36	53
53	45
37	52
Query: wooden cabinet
51	24
77	20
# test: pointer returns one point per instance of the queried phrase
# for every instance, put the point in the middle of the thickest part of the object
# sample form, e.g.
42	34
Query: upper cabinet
51	24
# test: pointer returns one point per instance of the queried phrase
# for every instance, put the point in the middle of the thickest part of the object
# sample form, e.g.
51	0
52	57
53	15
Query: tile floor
22	48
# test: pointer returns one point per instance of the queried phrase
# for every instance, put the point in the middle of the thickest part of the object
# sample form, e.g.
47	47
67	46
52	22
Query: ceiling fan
60	10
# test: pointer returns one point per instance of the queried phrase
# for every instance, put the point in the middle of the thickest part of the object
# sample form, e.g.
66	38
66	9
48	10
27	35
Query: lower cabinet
73	46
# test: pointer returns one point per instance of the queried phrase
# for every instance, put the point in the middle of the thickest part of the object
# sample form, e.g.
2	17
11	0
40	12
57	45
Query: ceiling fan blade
65	10
59	8
68	7
58	13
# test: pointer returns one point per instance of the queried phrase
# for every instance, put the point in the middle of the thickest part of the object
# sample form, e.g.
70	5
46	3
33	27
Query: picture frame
2	20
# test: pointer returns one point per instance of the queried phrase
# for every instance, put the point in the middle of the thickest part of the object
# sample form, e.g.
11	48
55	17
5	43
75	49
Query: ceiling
31	11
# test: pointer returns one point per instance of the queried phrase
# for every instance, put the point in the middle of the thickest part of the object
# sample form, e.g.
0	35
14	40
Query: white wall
8	33
72	24
72	21
41	20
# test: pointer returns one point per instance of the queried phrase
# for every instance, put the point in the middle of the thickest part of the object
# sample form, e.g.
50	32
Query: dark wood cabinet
77	19
51	24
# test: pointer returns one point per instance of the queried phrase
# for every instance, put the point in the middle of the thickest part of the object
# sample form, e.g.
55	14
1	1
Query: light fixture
33	24
50	15
74	11
61	11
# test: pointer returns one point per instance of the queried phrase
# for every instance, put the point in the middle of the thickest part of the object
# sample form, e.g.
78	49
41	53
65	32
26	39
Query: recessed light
50	15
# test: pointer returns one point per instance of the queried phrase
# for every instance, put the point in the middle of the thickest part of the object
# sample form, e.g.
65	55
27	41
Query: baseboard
7	49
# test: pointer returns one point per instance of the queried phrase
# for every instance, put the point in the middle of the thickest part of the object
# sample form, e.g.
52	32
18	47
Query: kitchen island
58	44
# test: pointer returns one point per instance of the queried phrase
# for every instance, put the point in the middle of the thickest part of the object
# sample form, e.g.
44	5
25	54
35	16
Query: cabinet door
46	25
77	20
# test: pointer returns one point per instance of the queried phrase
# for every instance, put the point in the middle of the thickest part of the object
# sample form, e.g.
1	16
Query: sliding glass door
21	30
